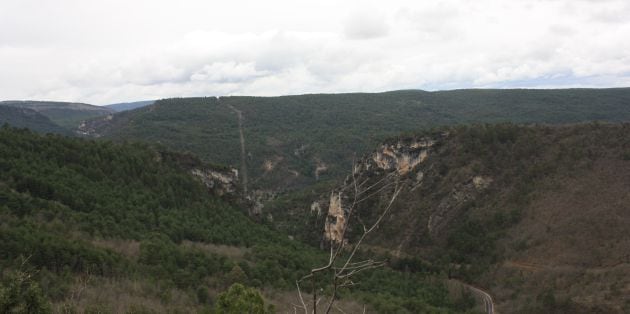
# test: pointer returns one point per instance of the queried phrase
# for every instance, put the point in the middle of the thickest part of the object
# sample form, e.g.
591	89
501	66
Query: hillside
93	226
292	141
28	118
536	215
66	114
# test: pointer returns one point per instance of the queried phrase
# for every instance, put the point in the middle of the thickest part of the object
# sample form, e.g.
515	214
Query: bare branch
376	192
341	275
339	309
378	221
301	298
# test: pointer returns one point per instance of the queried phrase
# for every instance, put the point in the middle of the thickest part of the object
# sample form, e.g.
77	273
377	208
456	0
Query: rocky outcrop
402	156
218	182
316	208
257	199
319	168
90	127
336	220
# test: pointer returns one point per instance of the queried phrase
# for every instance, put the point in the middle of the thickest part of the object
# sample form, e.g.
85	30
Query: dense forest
98	226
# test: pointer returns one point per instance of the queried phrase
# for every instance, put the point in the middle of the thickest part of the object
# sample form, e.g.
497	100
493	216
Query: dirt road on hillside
239	114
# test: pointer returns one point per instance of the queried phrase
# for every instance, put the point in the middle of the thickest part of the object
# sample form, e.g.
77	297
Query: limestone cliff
218	182
336	219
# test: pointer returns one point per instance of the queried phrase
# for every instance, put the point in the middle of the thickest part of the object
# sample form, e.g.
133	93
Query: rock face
336	220
402	156
218	182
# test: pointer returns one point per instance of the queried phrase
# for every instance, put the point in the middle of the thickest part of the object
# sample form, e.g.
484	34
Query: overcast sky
102	52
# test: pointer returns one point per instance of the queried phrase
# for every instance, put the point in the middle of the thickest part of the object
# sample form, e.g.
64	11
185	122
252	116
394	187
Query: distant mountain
293	141
65	114
124	106
28	118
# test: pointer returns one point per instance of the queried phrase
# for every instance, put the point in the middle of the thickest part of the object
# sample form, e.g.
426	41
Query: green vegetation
20	294
28	118
128	219
64	114
298	133
240	299
546	186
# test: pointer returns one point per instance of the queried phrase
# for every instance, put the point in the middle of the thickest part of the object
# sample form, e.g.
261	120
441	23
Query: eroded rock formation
336	219
218	182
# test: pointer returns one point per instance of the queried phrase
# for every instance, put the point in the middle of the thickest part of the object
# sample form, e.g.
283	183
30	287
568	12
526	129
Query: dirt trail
239	114
524	266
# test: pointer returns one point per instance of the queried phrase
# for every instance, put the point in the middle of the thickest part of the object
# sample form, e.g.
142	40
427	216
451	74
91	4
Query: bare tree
341	266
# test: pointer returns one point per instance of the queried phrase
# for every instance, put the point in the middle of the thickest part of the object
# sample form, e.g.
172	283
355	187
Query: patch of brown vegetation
575	240
128	248
286	302
106	295
232	252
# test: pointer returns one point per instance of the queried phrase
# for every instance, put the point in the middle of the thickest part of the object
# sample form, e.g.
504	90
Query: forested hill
65	114
98	227
293	140
31	119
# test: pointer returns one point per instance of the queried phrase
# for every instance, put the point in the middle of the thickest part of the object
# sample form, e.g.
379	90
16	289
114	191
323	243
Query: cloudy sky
103	52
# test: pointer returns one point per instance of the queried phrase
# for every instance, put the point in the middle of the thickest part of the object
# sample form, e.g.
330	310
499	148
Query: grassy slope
296	133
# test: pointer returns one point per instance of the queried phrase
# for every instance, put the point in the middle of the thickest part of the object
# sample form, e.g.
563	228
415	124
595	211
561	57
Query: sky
103	52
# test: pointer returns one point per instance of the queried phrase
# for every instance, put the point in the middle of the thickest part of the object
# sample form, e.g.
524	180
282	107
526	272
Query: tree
240	299
20	294
236	275
341	266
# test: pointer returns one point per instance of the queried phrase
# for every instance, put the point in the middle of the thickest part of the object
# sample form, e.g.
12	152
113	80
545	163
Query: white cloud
365	24
102	52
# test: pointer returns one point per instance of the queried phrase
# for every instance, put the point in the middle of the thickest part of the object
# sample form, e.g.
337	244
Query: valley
315	157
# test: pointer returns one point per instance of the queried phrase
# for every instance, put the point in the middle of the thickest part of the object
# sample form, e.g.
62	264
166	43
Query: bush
20	294
241	299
